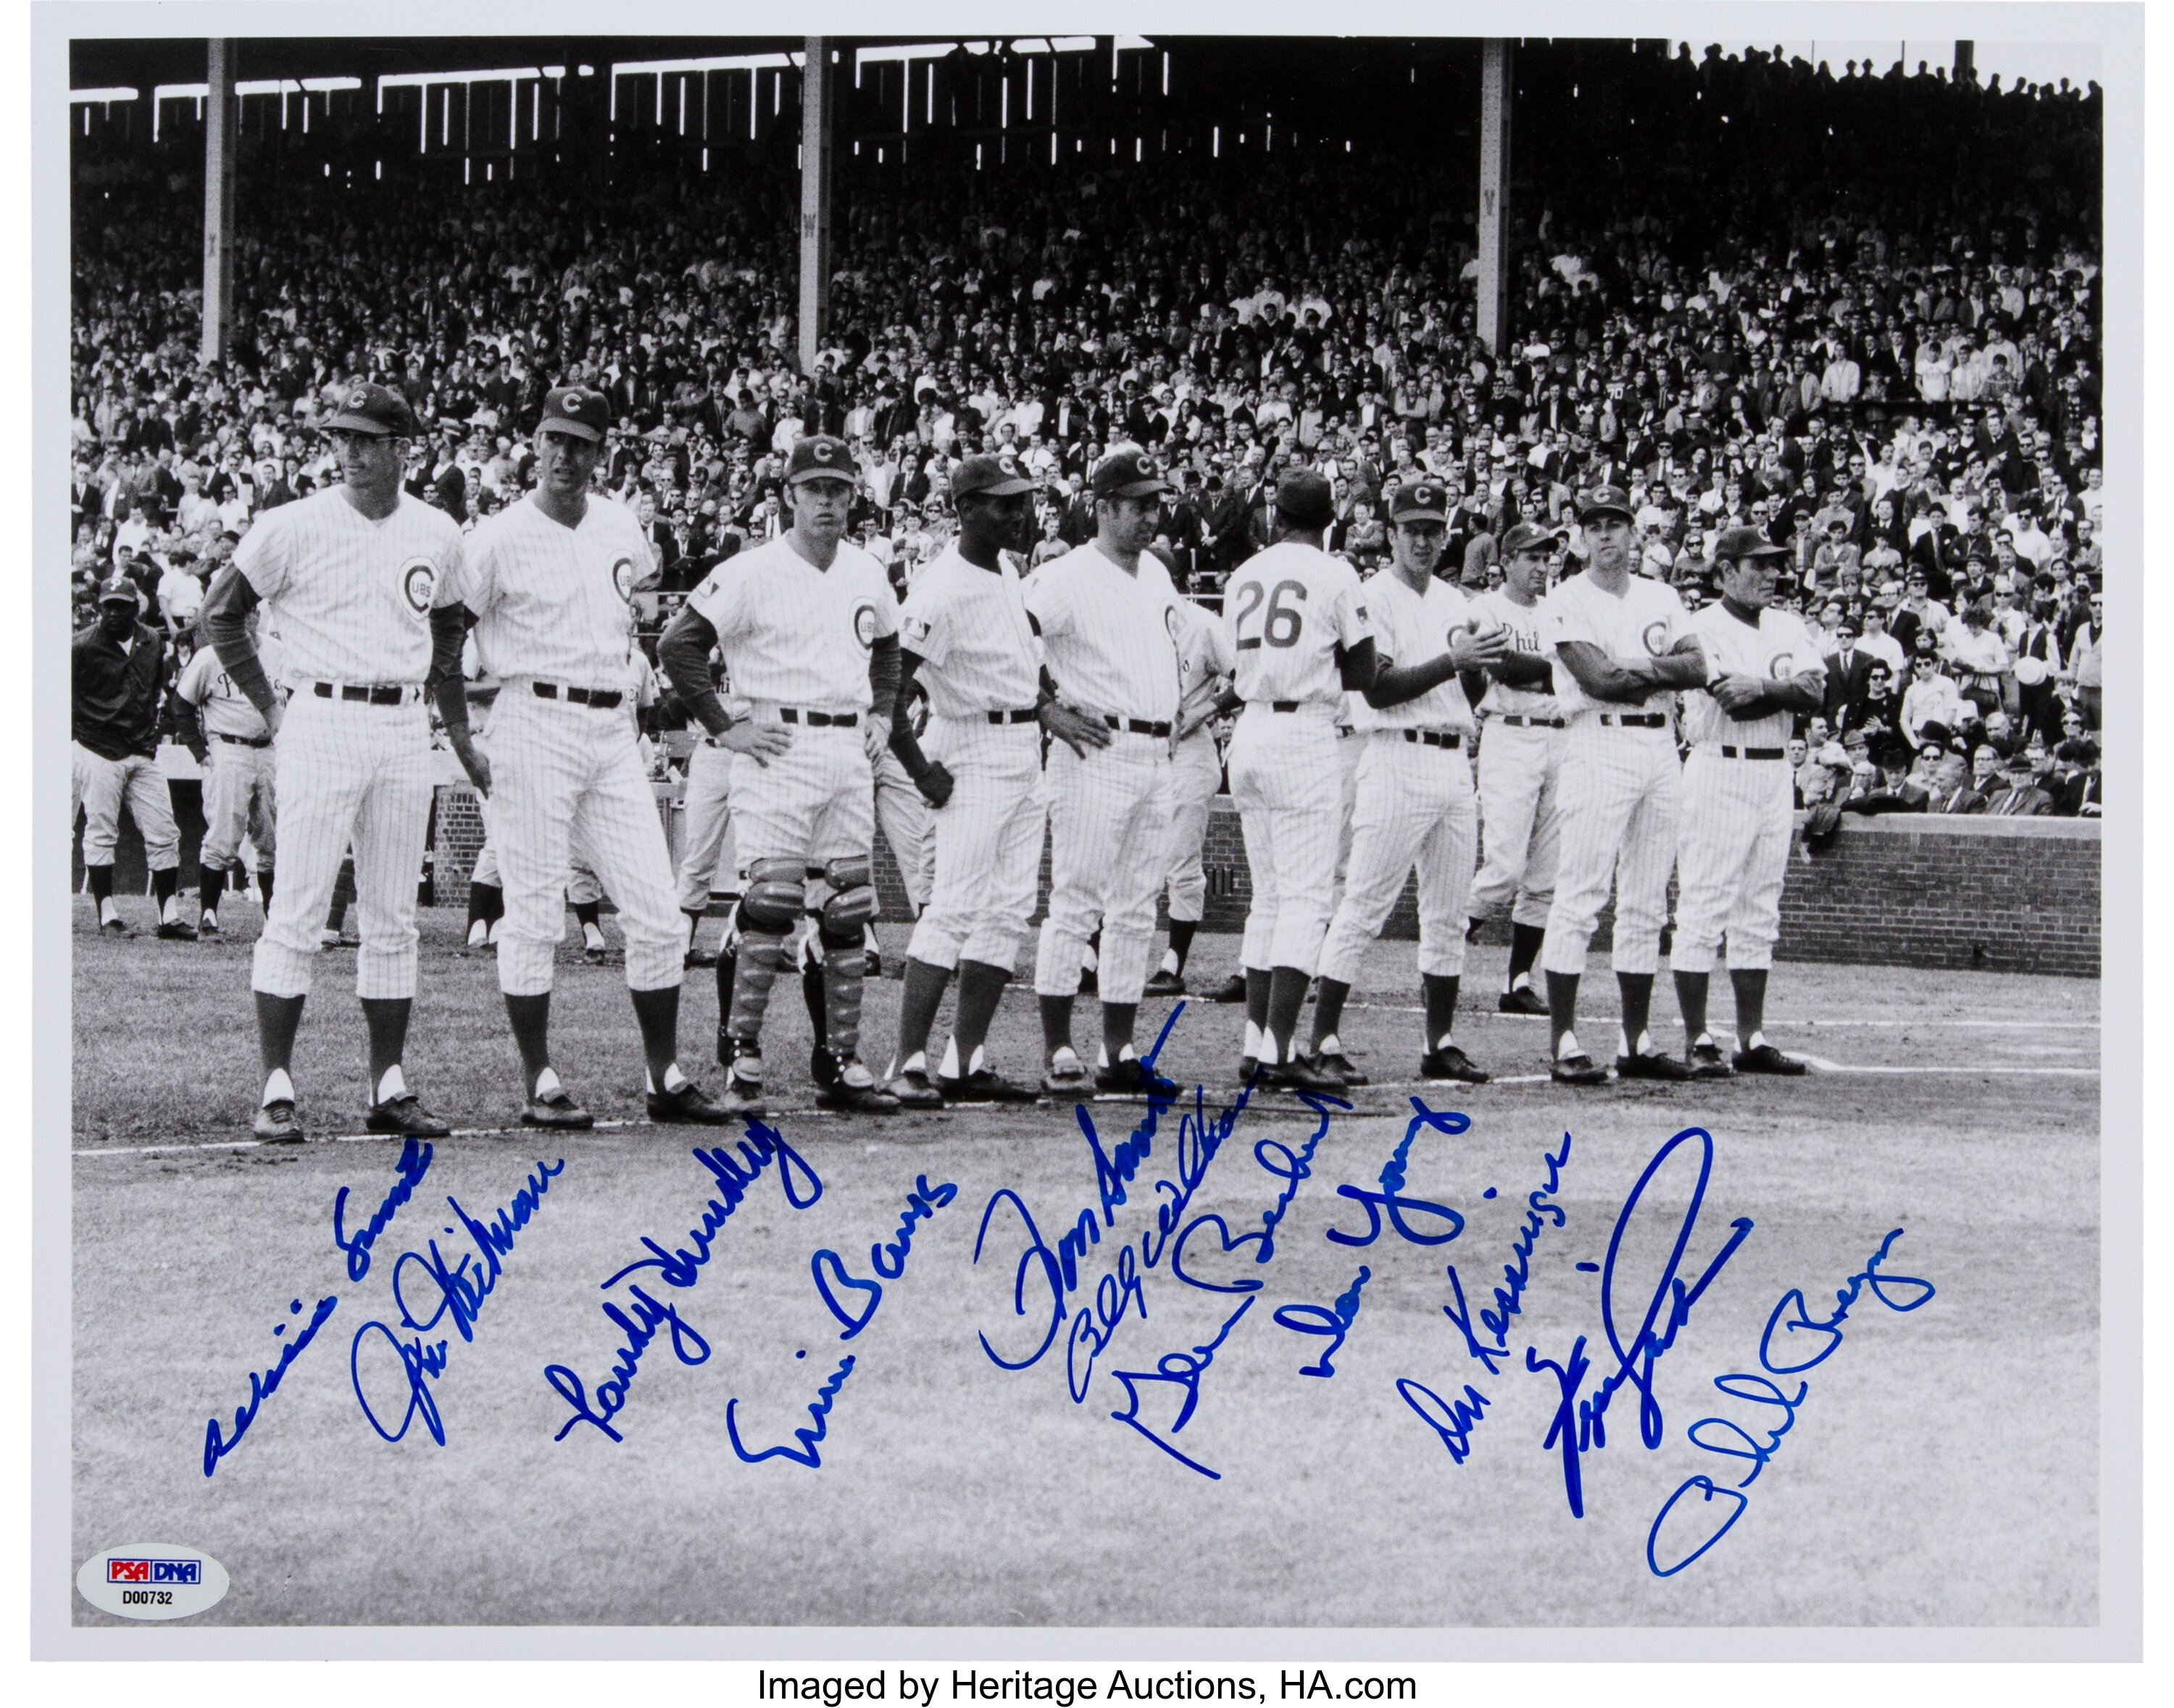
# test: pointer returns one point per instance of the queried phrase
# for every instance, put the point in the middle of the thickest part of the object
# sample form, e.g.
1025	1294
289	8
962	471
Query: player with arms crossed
548	582
229	737
1414	803
1625	645
1294	620
808	629
1732	849
348	575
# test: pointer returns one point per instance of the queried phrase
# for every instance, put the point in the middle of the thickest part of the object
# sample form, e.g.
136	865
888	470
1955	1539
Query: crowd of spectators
1860	313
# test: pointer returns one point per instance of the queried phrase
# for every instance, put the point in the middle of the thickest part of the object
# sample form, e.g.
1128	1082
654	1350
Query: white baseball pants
240	796
903	812
1196	773
1520	799
348	772
1414	808
985	844
1618	804
1350	748
1731	855
102	785
706	826
814	803
1284	783
1109	830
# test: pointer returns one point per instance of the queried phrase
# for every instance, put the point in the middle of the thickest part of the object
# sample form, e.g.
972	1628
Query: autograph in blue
408	1174
1722	1436
1335	1321
887	1258
1391	1197
1183	1370
263	1384
1516	1274
1580	1425
818	1409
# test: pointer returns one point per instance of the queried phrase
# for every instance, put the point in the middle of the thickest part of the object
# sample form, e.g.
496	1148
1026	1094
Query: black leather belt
1137	725
245	741
1029	716
1519	721
380	693
1637	720
1434	738
603	698
1728	753
819	720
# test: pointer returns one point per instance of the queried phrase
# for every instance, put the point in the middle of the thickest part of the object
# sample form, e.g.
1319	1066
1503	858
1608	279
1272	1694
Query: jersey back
1285	613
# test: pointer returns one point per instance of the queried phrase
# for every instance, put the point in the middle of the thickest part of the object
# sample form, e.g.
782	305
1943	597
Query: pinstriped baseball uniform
1196	768
551	604
908	831
241	797
349	598
1520	779
1619	784
1415	802
706	833
1285	612
1732	842
1111	642
969	626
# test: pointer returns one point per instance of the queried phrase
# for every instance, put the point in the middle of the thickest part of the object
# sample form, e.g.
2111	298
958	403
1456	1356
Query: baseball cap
1737	543
1303	497
576	410
117	589
1425	498
368	408
820	455
999	476
1129	473
1529	537
1606	501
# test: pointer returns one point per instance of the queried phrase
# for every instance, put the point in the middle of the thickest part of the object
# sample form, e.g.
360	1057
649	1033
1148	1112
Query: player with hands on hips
548	582
965	637
1624	645
1414	804
349	573
1295	622
808	629
1733	848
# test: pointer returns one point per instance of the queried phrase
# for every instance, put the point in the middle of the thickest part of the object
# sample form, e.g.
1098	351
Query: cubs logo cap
1128	473
999	476
1303	498
1606	501
1529	537
368	408
820	456
580	410
1420	498
118	590
1737	543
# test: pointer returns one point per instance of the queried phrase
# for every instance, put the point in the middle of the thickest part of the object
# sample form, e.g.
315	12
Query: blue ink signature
1287	1167
1451	1420
1763	1391
1391	1196
263	1384
1517	1272
1184	1370
888	1260
1580	1426
688	1345
818	1409
1335	1321
413	1164
421	1363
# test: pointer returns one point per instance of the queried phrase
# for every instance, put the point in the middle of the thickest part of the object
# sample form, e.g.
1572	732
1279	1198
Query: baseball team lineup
1579	724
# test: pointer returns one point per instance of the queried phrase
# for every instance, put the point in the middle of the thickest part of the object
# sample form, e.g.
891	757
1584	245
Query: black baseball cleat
1248	1066
1304	1073
915	1089
1231	990
1337	1063
208	925
1524	1000
405	1114
556	1108
842	1092
1707	1063
985	1085
1130	1077
1450	1063
1651	1066
688	1106
1164	983
116	925
1766	1059
277	1123
1580	1070
175	931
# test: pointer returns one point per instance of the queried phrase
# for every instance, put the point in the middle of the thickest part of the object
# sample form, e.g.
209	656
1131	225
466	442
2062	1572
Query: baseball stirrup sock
761	957
101	882
210	887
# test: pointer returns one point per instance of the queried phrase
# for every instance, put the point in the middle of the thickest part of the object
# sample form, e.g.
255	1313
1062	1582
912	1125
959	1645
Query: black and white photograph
1089	846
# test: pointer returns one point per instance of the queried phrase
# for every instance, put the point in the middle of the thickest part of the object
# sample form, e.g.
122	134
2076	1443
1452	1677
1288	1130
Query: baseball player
1196	773
1625	645
119	668
1414	803
1733	847
548	582
229	738
1520	764
1295	621
966	638
706	834
348	574
808	629
1107	616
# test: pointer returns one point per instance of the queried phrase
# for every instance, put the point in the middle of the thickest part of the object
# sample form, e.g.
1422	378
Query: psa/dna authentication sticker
152	1581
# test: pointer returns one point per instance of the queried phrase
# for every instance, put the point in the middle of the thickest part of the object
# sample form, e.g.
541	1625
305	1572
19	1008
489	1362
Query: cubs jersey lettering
1524	623
970	627
1778	648
1111	638
227	711
1285	611
551	601
351	597
1412	628
1645	622
794	635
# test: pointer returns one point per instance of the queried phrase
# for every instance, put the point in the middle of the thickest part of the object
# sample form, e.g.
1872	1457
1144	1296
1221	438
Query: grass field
1939	1469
